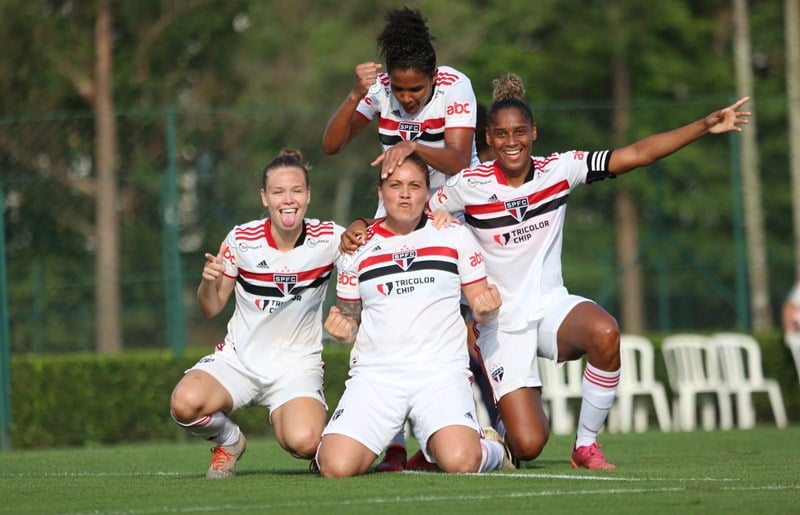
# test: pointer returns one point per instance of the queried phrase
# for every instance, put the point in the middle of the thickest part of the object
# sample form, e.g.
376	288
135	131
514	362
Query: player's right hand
341	328
365	76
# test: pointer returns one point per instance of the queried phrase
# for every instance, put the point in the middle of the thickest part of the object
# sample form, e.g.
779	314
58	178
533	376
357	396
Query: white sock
599	389
217	427
491	455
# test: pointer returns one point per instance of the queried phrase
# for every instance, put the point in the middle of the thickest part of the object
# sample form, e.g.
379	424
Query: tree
753	210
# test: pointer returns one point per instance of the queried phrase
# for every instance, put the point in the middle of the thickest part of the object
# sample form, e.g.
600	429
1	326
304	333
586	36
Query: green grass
755	471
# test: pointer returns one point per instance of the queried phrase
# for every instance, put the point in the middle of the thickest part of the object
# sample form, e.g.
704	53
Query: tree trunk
625	209
751	179
792	24
107	289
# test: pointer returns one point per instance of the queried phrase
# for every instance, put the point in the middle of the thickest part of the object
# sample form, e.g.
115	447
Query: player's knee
605	338
336	466
460	460
185	408
527	445
303	442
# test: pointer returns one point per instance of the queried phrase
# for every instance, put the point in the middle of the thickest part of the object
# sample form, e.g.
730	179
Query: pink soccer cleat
590	457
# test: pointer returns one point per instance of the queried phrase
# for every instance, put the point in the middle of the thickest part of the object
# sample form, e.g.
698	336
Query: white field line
498	475
420	498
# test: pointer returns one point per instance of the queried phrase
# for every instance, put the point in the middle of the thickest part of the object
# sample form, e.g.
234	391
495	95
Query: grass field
755	471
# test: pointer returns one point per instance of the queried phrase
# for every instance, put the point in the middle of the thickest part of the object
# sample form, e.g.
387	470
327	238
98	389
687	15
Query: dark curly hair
406	43
508	91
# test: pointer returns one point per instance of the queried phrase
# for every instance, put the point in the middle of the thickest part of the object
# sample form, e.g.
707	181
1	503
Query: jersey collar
271	241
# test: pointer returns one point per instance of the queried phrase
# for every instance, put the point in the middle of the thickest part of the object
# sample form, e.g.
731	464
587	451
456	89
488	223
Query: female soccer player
420	108
272	355
516	207
398	302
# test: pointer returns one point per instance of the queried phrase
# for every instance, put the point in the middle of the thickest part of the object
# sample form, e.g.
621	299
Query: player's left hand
394	157
728	119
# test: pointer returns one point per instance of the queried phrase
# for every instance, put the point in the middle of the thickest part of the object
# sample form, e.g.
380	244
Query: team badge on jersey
404	258
517	208
285	282
409	131
497	374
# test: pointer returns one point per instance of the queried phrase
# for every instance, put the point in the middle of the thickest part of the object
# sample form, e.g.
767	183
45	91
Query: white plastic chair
792	341
560	383
740	362
637	381
693	372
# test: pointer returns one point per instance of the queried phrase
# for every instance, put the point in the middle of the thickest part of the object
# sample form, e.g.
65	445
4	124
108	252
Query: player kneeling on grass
272	355
398	302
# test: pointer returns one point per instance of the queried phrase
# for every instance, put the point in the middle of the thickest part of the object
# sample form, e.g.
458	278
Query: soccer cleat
394	460
590	457
418	462
509	461
223	463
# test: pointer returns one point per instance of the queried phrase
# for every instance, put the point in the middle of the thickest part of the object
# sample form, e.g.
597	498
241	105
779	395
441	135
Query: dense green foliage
86	399
247	78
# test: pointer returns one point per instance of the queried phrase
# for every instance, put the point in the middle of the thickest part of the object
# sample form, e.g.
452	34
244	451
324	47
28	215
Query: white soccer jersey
452	106
521	229
410	287
279	295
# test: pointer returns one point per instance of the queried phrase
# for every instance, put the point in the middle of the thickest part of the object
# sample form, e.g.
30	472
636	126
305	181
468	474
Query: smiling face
411	88
404	195
511	134
286	196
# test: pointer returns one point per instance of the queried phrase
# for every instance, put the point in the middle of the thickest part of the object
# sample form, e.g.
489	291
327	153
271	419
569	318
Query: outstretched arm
652	148
346	123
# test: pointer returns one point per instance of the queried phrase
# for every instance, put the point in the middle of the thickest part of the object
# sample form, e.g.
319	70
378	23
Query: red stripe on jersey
480	171
302	276
444	78
384	79
393	125
319	229
533	198
475	281
423	252
253	232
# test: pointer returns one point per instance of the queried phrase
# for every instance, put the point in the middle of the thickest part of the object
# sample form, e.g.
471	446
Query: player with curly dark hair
421	109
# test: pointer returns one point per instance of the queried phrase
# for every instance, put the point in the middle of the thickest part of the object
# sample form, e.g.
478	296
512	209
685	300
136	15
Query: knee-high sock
599	389
217	427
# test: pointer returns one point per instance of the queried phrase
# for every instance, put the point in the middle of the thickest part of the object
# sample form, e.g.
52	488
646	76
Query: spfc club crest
404	258
285	282
497	374
517	208
409	131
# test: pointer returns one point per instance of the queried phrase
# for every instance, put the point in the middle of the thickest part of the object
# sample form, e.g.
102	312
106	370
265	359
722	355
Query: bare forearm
337	131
